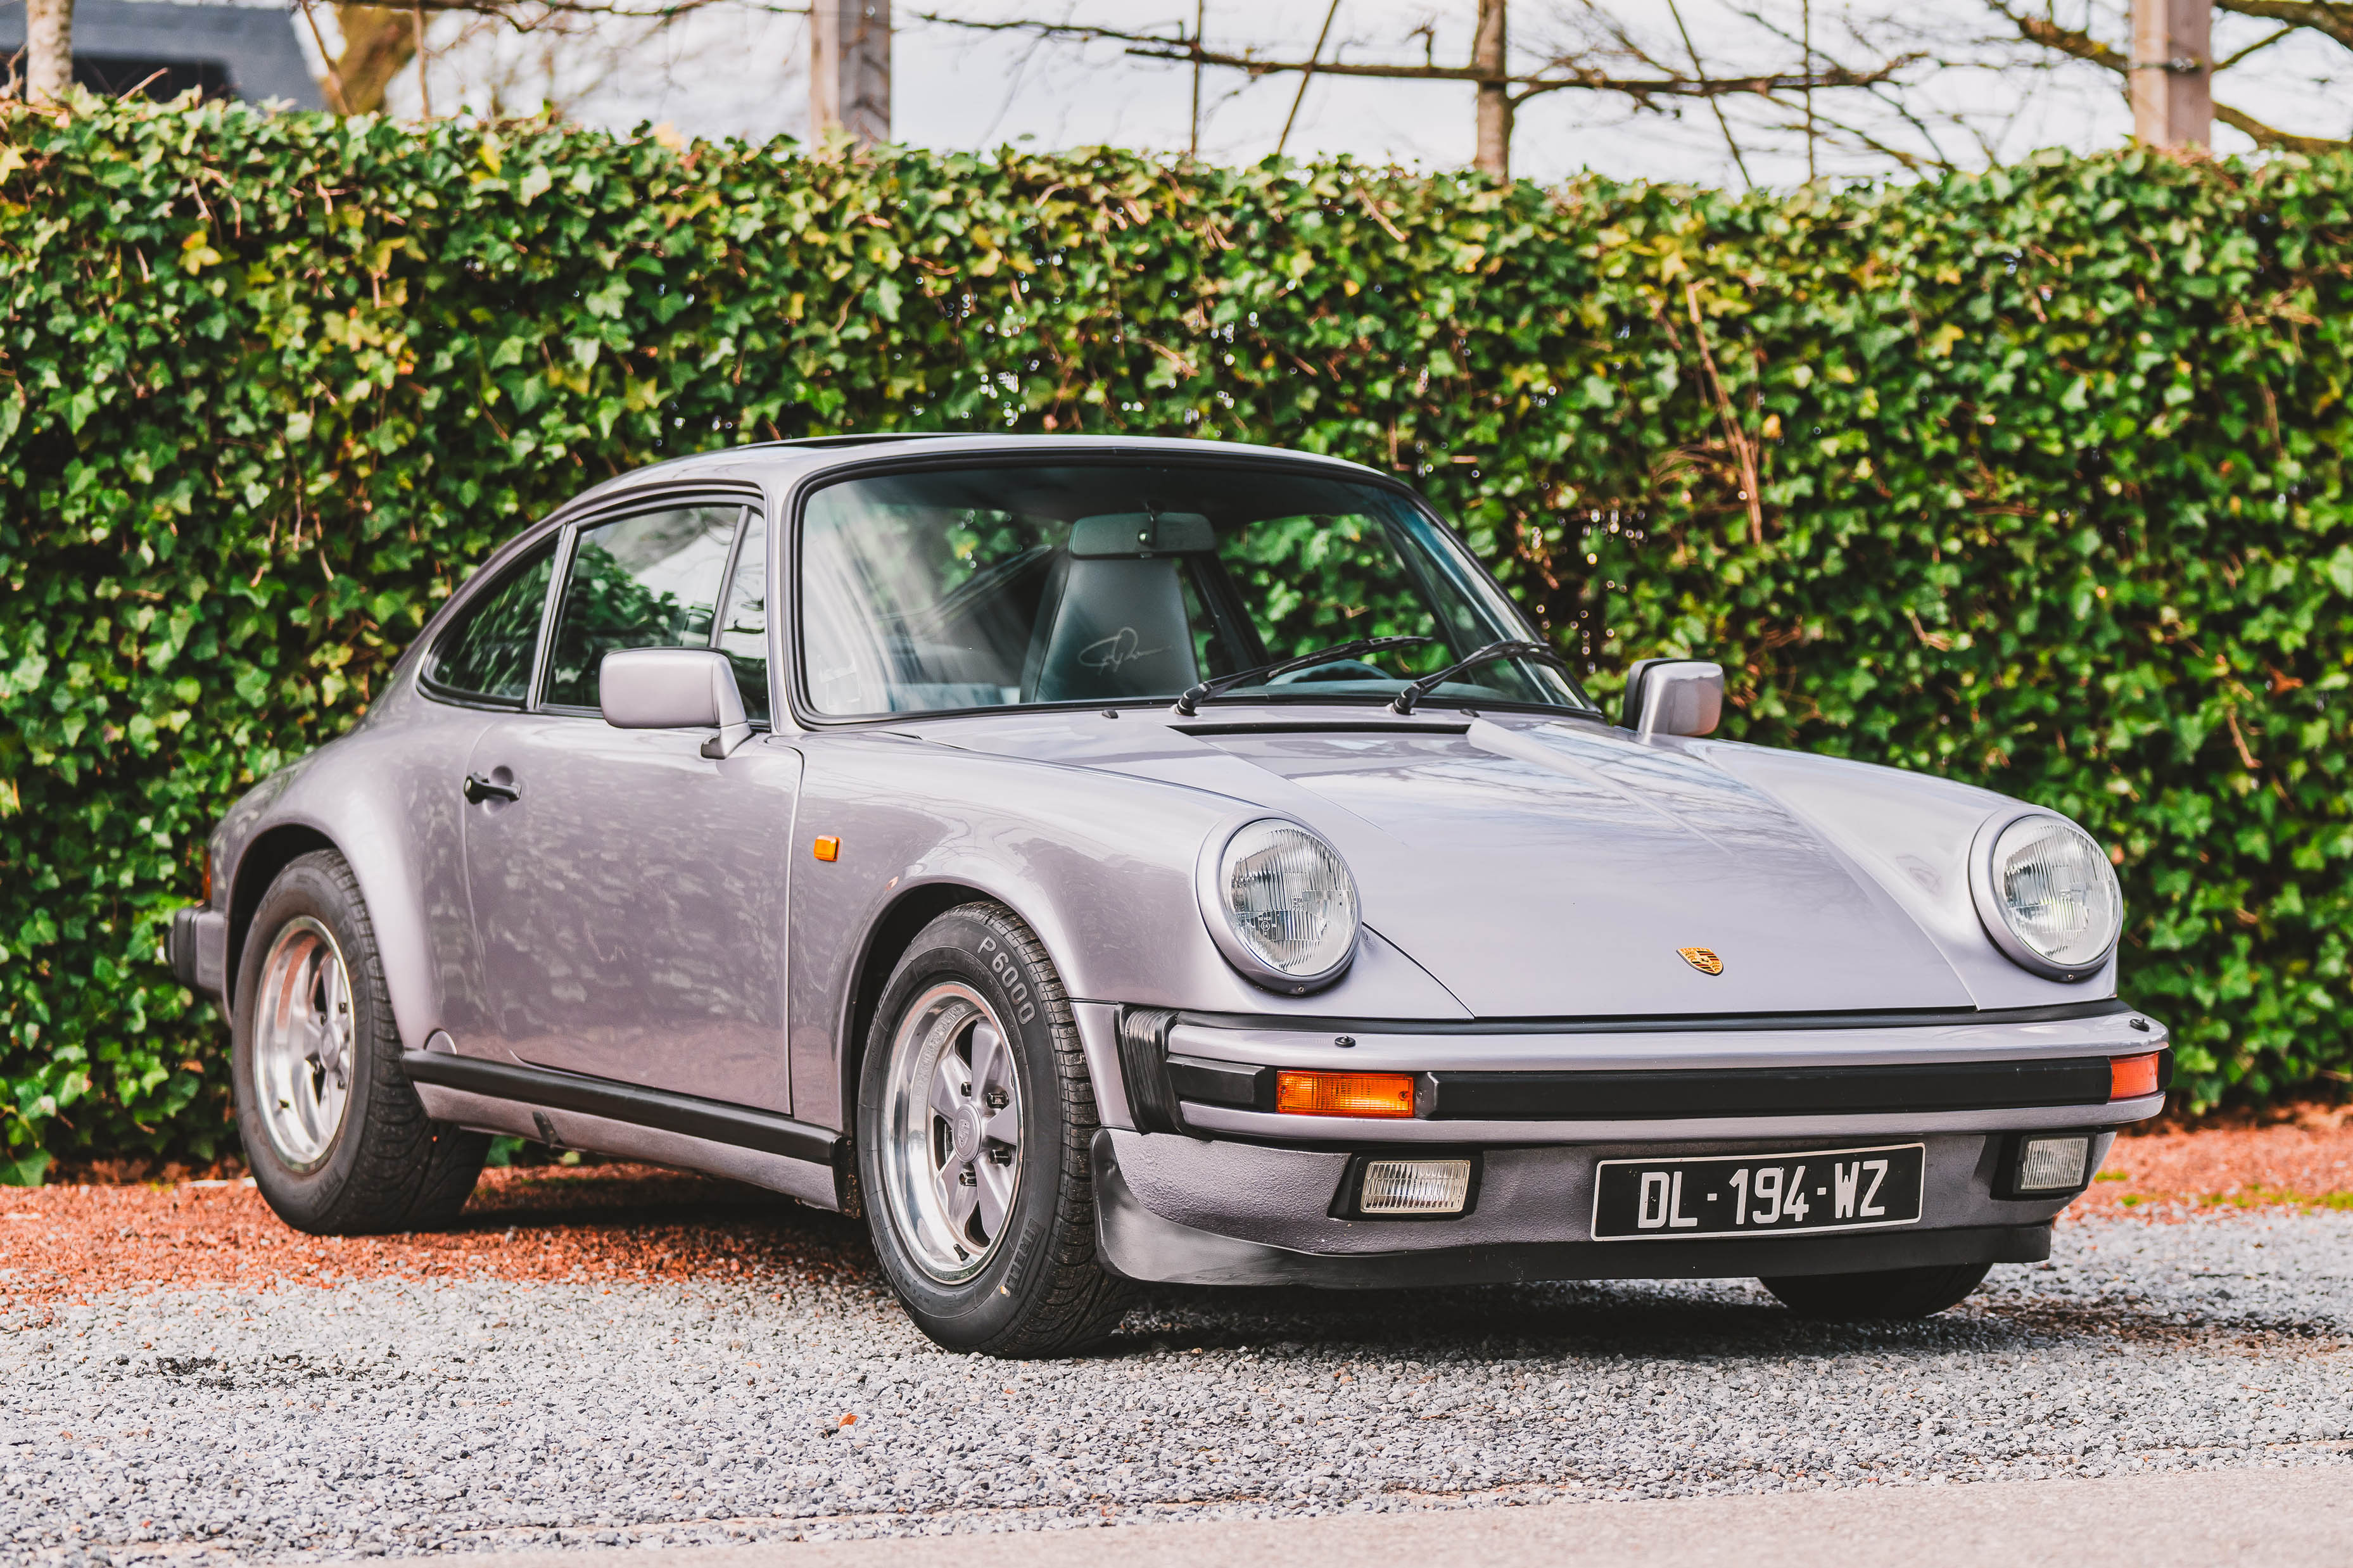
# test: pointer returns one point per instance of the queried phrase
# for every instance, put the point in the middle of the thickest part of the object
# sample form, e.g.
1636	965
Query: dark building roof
228	51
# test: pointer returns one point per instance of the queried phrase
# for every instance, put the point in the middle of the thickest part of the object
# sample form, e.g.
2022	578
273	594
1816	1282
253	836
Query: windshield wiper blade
1194	696
1513	649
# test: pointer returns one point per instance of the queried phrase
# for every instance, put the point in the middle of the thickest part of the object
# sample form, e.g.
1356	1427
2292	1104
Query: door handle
480	789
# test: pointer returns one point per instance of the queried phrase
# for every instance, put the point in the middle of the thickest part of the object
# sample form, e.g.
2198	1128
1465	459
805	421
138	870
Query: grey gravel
396	1417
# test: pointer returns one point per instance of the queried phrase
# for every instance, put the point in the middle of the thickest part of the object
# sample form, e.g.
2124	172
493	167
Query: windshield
992	587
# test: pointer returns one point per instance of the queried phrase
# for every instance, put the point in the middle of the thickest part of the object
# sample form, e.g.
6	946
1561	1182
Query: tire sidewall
969	946
307	1197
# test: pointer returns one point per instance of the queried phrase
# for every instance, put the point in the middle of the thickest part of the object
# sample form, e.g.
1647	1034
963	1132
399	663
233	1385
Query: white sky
735	70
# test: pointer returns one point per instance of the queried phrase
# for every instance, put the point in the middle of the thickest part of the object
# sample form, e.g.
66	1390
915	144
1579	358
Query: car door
629	893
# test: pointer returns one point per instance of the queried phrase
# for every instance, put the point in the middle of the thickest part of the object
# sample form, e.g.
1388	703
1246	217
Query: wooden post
1490	53
849	68
48	50
2173	72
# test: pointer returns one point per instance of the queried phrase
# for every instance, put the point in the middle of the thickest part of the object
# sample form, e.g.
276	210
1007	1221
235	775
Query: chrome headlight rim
1993	912
1218	918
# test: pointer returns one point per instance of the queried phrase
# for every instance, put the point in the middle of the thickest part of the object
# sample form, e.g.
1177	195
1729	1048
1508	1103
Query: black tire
1041	1292
1889	1293
388	1166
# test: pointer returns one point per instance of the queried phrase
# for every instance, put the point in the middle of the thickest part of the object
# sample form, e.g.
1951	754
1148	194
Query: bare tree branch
2331	18
1559	76
2082	46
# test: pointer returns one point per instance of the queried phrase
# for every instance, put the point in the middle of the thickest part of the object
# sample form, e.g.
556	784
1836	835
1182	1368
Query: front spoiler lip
1139	1245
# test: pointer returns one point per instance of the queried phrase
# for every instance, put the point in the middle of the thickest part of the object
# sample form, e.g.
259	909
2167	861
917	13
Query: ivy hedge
2034	478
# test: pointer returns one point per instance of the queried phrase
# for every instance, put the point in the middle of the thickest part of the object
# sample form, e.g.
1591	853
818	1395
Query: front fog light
2047	1165
1414	1186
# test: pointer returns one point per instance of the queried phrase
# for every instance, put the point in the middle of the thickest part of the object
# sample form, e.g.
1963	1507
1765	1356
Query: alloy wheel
952	1153
303	1041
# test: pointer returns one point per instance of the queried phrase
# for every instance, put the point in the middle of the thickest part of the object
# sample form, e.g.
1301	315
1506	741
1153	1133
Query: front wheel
1886	1293
974	1115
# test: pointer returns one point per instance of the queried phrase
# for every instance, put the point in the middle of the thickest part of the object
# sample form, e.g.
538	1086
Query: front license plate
1757	1194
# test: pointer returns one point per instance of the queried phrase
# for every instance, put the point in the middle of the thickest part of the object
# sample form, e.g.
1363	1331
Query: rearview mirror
1674	697
674	689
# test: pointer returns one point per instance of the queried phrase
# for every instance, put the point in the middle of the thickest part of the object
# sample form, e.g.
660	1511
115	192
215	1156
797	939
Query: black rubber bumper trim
179	946
1647	1096
1671	1023
1142	1245
738	1125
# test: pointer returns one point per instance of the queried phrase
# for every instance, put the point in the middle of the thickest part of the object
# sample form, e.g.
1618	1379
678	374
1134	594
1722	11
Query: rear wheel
336	1138
974	1115
1886	1293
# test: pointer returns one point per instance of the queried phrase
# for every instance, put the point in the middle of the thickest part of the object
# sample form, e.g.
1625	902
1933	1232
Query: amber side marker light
2129	1078
827	847
1343	1093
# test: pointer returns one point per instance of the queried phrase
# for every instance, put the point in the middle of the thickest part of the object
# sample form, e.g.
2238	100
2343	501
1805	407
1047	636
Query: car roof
765	461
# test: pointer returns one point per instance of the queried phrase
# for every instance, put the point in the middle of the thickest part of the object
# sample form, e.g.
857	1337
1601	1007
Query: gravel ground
396	1414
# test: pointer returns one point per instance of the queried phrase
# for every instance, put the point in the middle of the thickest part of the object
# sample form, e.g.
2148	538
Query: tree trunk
377	42
2173	72
1488	54
48	50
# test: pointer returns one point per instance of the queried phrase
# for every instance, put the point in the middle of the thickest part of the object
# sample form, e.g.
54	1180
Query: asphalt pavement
2276	1518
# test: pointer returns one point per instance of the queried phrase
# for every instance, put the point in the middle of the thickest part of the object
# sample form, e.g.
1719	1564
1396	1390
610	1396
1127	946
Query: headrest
1135	533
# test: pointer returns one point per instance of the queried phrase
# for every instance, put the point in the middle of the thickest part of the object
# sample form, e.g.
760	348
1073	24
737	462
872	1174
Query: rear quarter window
485	654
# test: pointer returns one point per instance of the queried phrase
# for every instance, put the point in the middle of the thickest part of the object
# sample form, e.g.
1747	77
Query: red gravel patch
2303	1160
616	1223
634	1224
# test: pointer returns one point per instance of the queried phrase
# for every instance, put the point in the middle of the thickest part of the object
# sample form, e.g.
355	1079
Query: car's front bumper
1221	1189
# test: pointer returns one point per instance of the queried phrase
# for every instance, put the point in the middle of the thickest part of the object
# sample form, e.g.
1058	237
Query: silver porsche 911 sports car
1107	860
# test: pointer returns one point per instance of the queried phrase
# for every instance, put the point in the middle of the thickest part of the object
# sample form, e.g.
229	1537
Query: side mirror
674	689
1674	697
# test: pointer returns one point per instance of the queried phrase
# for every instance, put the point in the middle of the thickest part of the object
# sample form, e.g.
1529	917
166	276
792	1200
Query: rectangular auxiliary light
2129	1078
1414	1186
1301	1093
2052	1165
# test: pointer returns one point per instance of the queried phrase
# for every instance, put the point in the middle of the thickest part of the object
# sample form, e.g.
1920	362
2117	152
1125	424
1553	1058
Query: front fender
1101	866
1910	834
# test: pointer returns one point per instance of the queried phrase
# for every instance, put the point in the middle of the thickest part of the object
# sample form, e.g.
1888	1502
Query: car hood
1549	869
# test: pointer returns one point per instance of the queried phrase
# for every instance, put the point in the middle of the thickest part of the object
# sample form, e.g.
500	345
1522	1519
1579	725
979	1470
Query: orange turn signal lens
2129	1078
827	847
1343	1093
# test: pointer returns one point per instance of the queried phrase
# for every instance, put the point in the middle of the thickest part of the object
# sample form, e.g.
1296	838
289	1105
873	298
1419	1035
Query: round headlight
2048	895
1284	905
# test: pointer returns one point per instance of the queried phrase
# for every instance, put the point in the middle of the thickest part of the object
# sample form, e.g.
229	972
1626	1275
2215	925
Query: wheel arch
269	853
894	931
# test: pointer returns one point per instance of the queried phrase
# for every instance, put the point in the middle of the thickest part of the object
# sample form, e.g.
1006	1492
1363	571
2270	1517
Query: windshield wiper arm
1194	696
1513	649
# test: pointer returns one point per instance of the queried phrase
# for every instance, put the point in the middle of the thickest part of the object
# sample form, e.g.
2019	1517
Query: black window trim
794	687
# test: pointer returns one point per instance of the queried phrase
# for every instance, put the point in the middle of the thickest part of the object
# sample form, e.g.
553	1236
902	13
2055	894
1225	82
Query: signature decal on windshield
1119	649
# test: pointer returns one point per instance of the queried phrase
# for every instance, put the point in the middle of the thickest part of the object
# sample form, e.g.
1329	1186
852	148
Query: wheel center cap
967	1132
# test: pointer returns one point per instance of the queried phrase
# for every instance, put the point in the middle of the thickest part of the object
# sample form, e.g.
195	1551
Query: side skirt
630	1121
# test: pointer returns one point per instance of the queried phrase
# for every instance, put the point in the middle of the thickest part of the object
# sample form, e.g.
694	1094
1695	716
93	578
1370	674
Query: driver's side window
651	580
